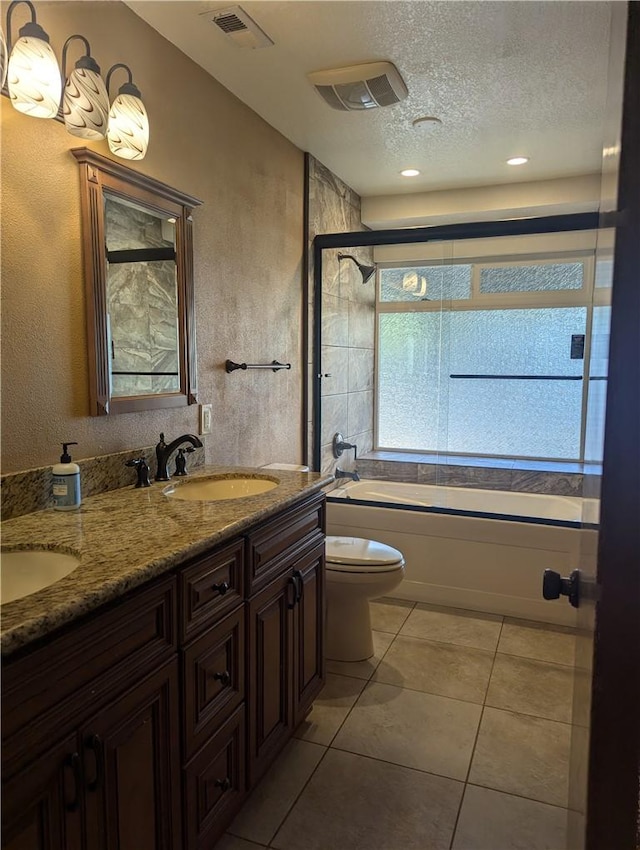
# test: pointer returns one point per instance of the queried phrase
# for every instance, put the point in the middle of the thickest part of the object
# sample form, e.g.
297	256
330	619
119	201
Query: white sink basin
216	489
28	570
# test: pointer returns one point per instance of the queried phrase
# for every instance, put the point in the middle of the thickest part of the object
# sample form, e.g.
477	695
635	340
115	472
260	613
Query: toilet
357	570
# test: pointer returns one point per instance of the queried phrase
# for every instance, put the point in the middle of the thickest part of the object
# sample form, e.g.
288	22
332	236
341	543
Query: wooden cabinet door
41	805
132	770
270	660
308	631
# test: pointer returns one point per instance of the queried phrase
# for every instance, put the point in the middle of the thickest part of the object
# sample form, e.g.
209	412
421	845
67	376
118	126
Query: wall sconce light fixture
85	102
128	128
35	87
4	59
33	75
366	271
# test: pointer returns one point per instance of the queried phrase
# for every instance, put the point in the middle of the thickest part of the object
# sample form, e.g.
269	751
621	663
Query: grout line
446	643
519	796
475	742
401	766
298	795
533	716
539	660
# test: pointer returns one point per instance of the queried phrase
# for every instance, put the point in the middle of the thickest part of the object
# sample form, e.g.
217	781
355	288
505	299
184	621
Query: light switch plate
205	419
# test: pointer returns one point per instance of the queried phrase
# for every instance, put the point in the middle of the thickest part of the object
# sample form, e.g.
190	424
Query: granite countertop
126	537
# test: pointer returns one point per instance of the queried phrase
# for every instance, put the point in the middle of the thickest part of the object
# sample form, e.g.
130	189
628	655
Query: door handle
299	582
94	742
291	582
554	586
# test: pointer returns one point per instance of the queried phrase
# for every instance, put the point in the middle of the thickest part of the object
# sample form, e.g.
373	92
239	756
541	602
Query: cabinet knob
224	678
221	588
223	784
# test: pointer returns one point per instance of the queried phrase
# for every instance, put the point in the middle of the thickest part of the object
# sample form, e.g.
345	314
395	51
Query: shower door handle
554	586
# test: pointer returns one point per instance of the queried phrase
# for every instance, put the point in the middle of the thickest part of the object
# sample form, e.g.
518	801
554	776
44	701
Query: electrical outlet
205	418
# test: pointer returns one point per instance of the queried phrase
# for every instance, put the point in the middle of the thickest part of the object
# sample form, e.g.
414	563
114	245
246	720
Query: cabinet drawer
213	679
210	587
134	633
279	539
214	784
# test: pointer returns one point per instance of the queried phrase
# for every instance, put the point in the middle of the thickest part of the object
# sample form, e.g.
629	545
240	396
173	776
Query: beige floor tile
355	803
437	668
330	709
490	820
363	669
231	842
531	687
522	755
265	809
412	729
538	640
388	615
451	625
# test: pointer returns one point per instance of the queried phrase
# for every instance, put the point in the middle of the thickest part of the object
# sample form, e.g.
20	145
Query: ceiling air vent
240	27
360	86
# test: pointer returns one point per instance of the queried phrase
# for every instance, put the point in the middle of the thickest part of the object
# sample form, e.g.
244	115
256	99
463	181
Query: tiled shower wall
348	322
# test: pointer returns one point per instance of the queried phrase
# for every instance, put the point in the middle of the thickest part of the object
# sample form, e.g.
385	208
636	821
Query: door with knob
605	588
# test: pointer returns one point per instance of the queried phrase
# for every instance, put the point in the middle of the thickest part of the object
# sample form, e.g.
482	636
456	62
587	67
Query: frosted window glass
604	274
597	398
422	407
412	407
426	283
534	278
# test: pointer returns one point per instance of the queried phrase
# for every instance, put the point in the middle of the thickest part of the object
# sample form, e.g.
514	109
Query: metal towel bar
275	366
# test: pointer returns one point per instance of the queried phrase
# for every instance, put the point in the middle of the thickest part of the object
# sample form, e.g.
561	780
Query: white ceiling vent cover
239	27
360	86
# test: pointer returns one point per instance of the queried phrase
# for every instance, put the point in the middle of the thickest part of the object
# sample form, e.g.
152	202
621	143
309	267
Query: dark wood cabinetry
110	779
144	726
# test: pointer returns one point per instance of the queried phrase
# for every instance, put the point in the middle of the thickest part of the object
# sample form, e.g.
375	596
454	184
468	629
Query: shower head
366	271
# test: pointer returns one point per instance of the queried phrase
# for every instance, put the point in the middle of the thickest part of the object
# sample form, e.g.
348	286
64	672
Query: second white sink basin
26	571
216	489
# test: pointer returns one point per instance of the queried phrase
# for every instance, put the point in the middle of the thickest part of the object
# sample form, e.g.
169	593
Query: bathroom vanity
143	721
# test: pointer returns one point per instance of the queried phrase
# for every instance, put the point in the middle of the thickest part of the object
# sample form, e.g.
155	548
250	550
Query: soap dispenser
66	482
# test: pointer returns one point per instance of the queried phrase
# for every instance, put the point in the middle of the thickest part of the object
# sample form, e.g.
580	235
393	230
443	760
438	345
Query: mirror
138	260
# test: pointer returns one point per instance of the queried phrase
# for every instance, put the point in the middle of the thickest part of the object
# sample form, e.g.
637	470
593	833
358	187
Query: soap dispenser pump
66	482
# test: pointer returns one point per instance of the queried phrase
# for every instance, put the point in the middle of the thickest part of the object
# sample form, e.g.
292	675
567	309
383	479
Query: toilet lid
355	554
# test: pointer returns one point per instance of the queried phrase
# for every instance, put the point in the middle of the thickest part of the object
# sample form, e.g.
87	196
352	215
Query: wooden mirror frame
99	173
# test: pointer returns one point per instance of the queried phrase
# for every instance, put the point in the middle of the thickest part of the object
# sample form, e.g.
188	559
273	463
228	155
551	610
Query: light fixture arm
33	26
86	61
129	87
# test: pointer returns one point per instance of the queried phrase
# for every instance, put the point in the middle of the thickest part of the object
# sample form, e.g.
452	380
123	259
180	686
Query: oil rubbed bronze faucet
164	452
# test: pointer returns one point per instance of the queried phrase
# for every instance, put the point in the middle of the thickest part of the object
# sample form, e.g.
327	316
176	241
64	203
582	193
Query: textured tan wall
248	250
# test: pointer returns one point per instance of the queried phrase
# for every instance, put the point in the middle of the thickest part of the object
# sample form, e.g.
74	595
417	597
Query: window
493	358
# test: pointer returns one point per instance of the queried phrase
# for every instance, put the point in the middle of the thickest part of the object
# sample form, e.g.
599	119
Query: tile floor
454	736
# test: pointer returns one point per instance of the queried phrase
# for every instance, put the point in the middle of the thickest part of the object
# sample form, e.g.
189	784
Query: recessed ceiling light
518	160
410	172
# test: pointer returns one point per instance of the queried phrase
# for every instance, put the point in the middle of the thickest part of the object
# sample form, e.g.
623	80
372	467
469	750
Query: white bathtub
483	550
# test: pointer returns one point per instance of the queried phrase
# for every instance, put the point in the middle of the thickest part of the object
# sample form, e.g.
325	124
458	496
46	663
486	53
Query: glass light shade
85	105
34	78
3	59
128	129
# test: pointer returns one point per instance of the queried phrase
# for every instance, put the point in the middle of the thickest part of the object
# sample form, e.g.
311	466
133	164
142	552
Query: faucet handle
181	461
140	464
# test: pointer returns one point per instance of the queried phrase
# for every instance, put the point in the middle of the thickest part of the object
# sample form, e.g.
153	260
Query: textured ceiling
505	78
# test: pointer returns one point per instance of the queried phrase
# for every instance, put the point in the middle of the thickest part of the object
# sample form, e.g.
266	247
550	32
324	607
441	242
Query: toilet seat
357	555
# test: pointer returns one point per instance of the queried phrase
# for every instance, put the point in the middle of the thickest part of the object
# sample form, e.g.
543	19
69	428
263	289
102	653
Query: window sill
545	477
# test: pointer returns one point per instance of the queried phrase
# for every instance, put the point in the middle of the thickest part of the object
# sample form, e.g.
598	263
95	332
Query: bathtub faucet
344	473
